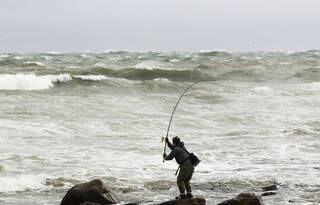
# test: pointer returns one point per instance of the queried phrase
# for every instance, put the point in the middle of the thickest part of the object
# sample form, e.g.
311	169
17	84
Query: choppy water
69	118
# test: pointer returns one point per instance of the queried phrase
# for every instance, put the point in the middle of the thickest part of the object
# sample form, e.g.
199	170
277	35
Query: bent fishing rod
174	109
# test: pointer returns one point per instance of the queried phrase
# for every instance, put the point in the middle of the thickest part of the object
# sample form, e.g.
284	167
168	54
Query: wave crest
30	81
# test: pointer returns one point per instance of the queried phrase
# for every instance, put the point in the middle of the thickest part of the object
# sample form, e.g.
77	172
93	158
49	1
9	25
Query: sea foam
22	183
30	81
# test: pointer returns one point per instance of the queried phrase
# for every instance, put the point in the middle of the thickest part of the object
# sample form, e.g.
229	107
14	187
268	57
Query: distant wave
149	65
173	66
33	64
150	74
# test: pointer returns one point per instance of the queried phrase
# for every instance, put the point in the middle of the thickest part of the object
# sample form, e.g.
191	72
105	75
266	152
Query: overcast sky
99	25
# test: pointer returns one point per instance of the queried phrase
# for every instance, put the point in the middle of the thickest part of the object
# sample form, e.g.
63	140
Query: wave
243	74
214	53
22	183
148	65
27	182
313	87
310	74
32	64
31	81
150	74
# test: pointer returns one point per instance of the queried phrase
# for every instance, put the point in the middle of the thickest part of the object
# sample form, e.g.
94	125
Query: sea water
67	118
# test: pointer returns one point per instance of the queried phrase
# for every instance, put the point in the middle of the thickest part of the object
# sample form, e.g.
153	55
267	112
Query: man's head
175	140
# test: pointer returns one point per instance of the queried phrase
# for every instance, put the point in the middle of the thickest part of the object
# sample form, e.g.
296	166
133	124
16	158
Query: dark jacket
177	152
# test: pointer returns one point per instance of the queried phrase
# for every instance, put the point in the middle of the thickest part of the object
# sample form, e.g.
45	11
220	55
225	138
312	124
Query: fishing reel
163	139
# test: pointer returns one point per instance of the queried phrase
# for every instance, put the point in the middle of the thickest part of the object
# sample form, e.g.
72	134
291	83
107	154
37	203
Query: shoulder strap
185	150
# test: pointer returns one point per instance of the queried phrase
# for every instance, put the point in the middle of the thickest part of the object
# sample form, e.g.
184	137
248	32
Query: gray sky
99	25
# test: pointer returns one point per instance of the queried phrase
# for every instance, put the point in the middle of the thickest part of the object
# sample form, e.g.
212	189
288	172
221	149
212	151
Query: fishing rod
174	109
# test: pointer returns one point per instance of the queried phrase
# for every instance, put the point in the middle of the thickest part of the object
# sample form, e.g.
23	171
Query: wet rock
90	203
94	192
244	199
193	201
269	193
270	188
230	202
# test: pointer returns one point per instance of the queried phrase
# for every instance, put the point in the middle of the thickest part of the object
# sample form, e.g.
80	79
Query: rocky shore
96	192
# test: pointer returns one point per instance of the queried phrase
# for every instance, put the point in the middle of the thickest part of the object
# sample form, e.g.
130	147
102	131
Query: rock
269	193
270	188
230	202
193	201
90	203
94	192
244	199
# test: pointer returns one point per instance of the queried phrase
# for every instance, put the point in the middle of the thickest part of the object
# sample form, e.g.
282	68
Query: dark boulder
230	202
244	199
94	192
193	201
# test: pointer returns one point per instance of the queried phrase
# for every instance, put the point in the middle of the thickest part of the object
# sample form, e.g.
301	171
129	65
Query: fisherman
178	151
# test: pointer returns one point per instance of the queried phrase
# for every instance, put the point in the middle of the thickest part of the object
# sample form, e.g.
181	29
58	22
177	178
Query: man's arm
171	155
169	143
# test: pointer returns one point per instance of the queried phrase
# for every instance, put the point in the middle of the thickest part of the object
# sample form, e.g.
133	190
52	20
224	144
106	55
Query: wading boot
189	195
181	196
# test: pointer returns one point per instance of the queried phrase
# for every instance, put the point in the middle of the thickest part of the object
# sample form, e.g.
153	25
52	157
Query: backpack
193	158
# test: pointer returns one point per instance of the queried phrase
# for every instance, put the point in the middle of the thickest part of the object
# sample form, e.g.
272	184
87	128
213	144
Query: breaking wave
31	81
22	183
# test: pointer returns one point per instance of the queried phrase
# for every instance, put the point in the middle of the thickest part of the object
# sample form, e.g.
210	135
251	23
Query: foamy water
78	117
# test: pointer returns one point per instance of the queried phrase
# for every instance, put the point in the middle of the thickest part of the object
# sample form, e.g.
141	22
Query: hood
181	144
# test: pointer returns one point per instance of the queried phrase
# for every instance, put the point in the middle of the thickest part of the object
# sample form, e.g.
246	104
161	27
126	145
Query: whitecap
47	58
174	60
18	58
90	77
102	65
30	81
149	65
164	80
33	63
53	53
4	56
314	86
84	56
262	89
73	67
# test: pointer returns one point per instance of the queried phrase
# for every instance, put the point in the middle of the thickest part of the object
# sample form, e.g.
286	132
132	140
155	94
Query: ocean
67	118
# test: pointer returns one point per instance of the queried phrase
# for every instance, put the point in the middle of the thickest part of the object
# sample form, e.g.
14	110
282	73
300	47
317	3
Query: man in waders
178	151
